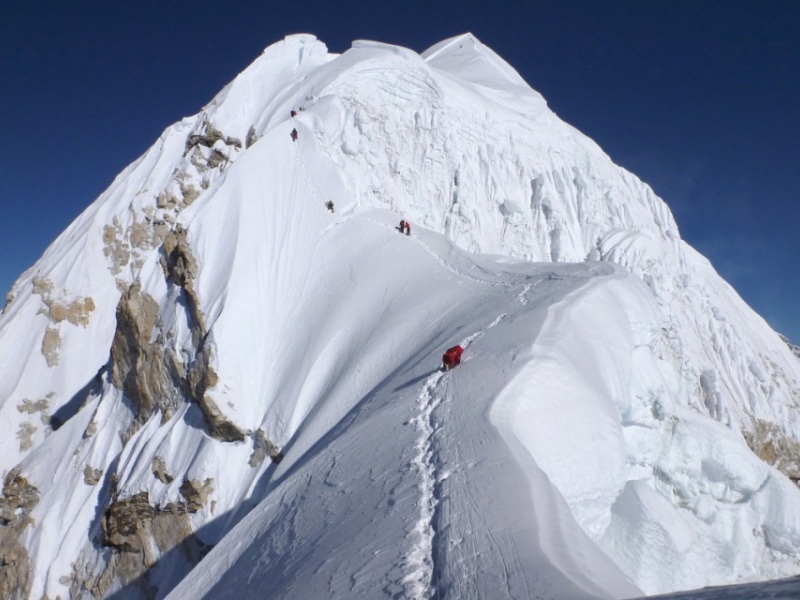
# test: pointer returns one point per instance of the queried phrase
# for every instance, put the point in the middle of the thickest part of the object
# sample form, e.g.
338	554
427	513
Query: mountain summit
233	356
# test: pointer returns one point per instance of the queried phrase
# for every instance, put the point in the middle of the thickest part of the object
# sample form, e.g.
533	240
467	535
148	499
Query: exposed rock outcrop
25	435
147	369
127	247
158	371
166	200
75	311
219	426
115	246
91	476
31	407
139	534
150	373
189	193
178	261
159	468
201	377
770	444
9	301
263	447
196	493
150	377
19	498
252	137
216	159
180	268
209	136
51	342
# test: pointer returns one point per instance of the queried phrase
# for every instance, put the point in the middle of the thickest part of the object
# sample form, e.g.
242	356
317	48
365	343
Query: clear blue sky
700	99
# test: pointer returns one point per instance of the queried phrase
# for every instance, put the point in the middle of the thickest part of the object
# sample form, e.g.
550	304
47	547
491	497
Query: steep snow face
452	140
673	496
209	339
507	177
69	297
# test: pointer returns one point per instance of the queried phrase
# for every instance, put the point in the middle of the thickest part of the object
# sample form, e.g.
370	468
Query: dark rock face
252	137
196	494
91	476
180	268
209	136
19	498
139	534
160	470
263	447
126	523
146	368
771	444
179	263
138	366
135	539
156	376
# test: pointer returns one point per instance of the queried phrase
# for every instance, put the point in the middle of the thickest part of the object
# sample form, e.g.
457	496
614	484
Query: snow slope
622	422
390	493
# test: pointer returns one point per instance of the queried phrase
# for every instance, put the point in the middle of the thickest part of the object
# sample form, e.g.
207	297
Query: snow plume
233	355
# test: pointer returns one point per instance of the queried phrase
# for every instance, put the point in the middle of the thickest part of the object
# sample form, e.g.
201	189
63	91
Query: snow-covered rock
211	362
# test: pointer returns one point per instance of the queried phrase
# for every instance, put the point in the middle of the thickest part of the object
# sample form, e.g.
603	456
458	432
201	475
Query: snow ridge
450	265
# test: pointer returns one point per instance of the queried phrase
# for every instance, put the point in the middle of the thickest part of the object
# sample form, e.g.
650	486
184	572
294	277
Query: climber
405	227
329	205
452	358
294	135
294	113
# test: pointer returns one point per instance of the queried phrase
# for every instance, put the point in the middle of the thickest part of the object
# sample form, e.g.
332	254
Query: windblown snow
222	380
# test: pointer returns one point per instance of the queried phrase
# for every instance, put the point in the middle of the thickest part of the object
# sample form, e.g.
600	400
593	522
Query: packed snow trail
418	239
524	544
303	167
421	562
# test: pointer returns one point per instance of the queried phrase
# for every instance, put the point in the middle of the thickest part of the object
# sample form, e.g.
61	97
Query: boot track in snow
422	561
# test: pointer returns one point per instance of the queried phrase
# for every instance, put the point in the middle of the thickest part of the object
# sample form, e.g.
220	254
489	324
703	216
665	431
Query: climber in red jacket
452	358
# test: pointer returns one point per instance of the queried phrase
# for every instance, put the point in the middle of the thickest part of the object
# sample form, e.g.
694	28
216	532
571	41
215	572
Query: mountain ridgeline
232	356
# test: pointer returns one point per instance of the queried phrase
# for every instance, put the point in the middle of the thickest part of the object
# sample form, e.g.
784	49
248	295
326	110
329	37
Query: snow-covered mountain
211	364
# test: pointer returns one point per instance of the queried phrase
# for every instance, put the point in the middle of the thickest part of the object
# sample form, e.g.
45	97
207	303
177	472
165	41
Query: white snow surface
590	445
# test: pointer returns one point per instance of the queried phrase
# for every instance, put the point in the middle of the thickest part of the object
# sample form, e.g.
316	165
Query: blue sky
700	99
